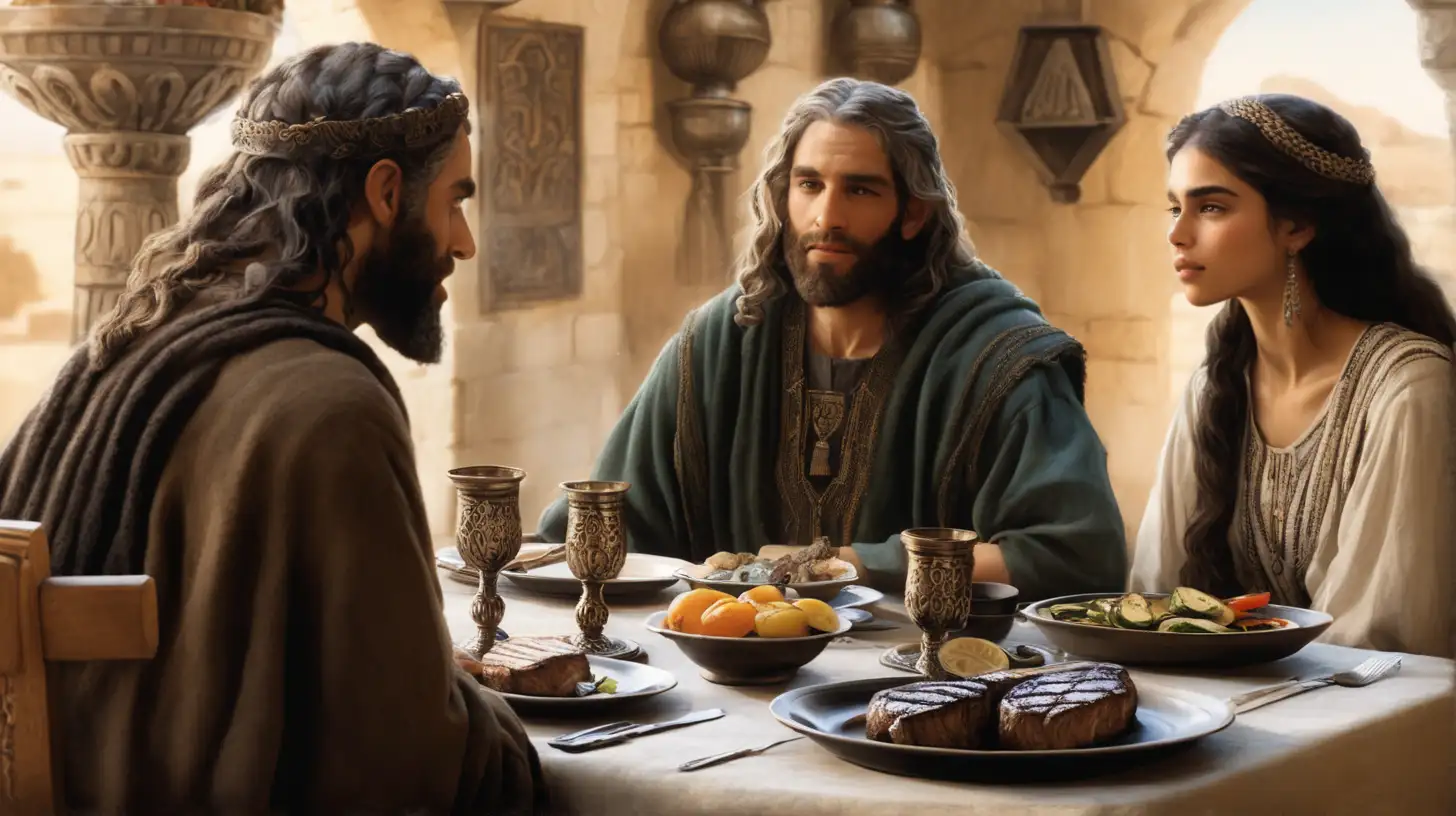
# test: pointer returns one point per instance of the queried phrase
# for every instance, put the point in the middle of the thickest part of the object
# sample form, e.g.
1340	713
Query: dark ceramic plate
747	661
1148	648
832	715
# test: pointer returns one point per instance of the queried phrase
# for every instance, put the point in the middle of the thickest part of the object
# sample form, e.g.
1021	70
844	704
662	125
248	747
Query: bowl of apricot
757	638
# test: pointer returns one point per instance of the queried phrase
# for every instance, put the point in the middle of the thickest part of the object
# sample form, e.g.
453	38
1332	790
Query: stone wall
538	387
1097	267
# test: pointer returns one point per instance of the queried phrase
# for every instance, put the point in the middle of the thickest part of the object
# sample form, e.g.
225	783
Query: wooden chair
54	619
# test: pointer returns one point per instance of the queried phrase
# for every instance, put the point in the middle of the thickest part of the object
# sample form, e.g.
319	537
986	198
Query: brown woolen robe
304	661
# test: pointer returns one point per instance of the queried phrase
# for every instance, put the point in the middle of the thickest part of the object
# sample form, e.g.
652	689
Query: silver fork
1376	668
729	756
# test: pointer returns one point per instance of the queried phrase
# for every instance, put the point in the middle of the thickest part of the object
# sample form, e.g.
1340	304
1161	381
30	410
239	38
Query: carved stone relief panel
531	162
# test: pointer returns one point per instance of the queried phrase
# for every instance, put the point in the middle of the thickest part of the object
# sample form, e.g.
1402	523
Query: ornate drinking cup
596	550
488	535
938	588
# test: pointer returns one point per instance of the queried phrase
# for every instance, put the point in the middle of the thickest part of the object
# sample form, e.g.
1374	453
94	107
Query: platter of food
1183	627
547	674
757	638
1070	717
815	571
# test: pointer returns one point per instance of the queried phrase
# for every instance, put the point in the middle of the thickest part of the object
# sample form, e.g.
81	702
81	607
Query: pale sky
1364	51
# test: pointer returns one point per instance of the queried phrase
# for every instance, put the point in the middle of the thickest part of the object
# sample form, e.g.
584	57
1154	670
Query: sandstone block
1136	339
598	338
483	348
599	125
541	340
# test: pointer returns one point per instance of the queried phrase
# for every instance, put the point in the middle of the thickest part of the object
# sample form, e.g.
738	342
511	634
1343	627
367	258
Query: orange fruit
767	593
685	613
781	622
728	618
820	615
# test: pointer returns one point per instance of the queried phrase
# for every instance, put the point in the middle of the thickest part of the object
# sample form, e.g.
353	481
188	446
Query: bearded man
865	375
225	432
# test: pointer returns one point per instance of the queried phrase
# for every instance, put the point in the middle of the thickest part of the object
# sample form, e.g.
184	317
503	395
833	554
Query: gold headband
1293	143
346	138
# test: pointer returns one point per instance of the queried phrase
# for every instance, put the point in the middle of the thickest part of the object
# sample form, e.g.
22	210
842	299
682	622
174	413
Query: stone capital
1437	39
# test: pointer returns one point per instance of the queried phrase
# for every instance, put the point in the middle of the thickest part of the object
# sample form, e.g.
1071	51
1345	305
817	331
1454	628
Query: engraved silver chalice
938	588
488	535
596	550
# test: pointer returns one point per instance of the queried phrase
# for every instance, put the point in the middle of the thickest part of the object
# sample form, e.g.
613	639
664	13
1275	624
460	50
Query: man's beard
879	269
395	291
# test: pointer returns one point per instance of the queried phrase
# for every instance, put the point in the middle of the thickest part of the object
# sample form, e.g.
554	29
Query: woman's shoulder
1390	358
1393	365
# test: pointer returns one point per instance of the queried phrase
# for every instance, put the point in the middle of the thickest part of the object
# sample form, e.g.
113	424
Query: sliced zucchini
1190	603
1069	611
1132	612
1159	608
1192	626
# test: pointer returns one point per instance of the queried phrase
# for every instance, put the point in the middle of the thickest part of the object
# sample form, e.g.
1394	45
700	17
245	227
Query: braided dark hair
289	215
1359	265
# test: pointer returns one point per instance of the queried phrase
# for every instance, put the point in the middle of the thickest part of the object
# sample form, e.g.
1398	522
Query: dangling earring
1291	292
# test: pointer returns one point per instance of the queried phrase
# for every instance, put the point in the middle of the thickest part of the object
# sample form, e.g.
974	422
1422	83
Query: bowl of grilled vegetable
1183	627
757	638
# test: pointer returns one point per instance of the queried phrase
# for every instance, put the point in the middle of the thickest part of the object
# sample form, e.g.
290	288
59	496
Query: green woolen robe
973	420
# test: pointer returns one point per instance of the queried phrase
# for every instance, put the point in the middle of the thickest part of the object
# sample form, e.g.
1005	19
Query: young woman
1312	455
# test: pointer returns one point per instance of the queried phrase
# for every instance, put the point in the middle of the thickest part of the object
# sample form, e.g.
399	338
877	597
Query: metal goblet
596	550
488	535
938	588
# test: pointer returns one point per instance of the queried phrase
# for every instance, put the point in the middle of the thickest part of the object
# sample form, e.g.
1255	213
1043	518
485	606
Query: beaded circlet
1296	146
352	138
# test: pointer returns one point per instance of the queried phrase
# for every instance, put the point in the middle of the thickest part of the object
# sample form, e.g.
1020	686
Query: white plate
634	682
642	574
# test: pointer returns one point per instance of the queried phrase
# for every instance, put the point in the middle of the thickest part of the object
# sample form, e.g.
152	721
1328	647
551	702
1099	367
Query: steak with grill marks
1071	709
952	714
539	667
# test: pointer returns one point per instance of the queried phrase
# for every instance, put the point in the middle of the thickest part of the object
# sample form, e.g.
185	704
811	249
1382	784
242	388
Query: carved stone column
712	44
1438	50
127	83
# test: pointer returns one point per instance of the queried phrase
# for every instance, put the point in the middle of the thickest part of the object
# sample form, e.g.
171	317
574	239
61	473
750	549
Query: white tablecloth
1382	749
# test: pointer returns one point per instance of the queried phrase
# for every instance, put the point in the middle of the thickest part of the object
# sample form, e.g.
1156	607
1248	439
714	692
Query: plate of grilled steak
1182	627
1069	718
547	673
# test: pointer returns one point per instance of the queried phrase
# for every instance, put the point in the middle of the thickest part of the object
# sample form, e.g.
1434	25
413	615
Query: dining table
1385	748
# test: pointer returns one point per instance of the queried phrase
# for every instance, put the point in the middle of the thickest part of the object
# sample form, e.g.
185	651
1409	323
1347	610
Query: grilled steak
539	667
954	714
1070	709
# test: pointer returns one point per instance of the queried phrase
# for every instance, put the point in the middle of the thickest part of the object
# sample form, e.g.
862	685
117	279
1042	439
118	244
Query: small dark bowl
994	628
989	598
747	661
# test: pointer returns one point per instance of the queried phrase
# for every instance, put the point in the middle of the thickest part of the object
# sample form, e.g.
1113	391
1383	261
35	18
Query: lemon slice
968	657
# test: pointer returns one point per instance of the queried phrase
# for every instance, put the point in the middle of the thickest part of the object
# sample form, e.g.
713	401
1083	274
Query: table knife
581	745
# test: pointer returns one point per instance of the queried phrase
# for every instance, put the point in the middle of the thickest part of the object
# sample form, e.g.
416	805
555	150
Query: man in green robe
865	375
